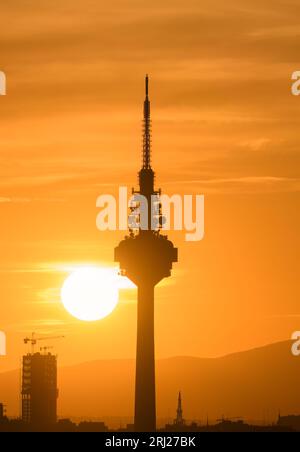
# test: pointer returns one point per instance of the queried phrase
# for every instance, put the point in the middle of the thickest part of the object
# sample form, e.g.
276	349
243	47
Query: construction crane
33	340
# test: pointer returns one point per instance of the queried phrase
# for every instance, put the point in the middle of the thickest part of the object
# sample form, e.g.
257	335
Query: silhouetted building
227	425
92	427
1	412
179	414
146	257
291	421
179	424
66	425
39	389
129	428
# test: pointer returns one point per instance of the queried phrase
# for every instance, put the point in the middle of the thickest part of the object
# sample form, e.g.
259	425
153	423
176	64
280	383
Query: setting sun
90	293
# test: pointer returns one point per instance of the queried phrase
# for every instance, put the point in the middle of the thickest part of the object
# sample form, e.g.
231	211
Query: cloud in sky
75	76
224	122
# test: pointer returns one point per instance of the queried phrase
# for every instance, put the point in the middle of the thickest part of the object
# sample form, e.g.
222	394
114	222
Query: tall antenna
146	258
147	129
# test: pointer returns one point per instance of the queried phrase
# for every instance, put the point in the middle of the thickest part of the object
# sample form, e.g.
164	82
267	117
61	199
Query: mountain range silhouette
253	384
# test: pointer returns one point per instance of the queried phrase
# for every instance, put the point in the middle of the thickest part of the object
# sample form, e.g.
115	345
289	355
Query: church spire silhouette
179	418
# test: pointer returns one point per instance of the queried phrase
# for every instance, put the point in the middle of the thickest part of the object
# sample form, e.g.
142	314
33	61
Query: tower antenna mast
146	258
147	129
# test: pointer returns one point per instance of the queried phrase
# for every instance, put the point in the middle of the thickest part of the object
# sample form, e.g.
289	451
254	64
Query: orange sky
224	124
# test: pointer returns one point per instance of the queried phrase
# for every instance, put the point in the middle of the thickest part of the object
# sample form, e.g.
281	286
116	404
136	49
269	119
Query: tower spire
179	418
147	84
146	258
147	129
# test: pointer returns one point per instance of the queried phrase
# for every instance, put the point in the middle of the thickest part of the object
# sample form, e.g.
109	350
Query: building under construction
39	389
2	410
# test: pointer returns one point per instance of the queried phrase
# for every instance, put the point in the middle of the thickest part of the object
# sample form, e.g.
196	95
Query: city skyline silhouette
225	112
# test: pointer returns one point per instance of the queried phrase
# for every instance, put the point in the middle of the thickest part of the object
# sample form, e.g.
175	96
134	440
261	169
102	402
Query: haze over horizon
253	384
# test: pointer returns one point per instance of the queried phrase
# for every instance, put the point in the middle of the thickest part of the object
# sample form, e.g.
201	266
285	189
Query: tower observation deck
146	257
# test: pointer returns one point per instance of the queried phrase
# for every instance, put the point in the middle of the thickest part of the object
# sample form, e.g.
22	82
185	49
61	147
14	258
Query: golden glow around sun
92	293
